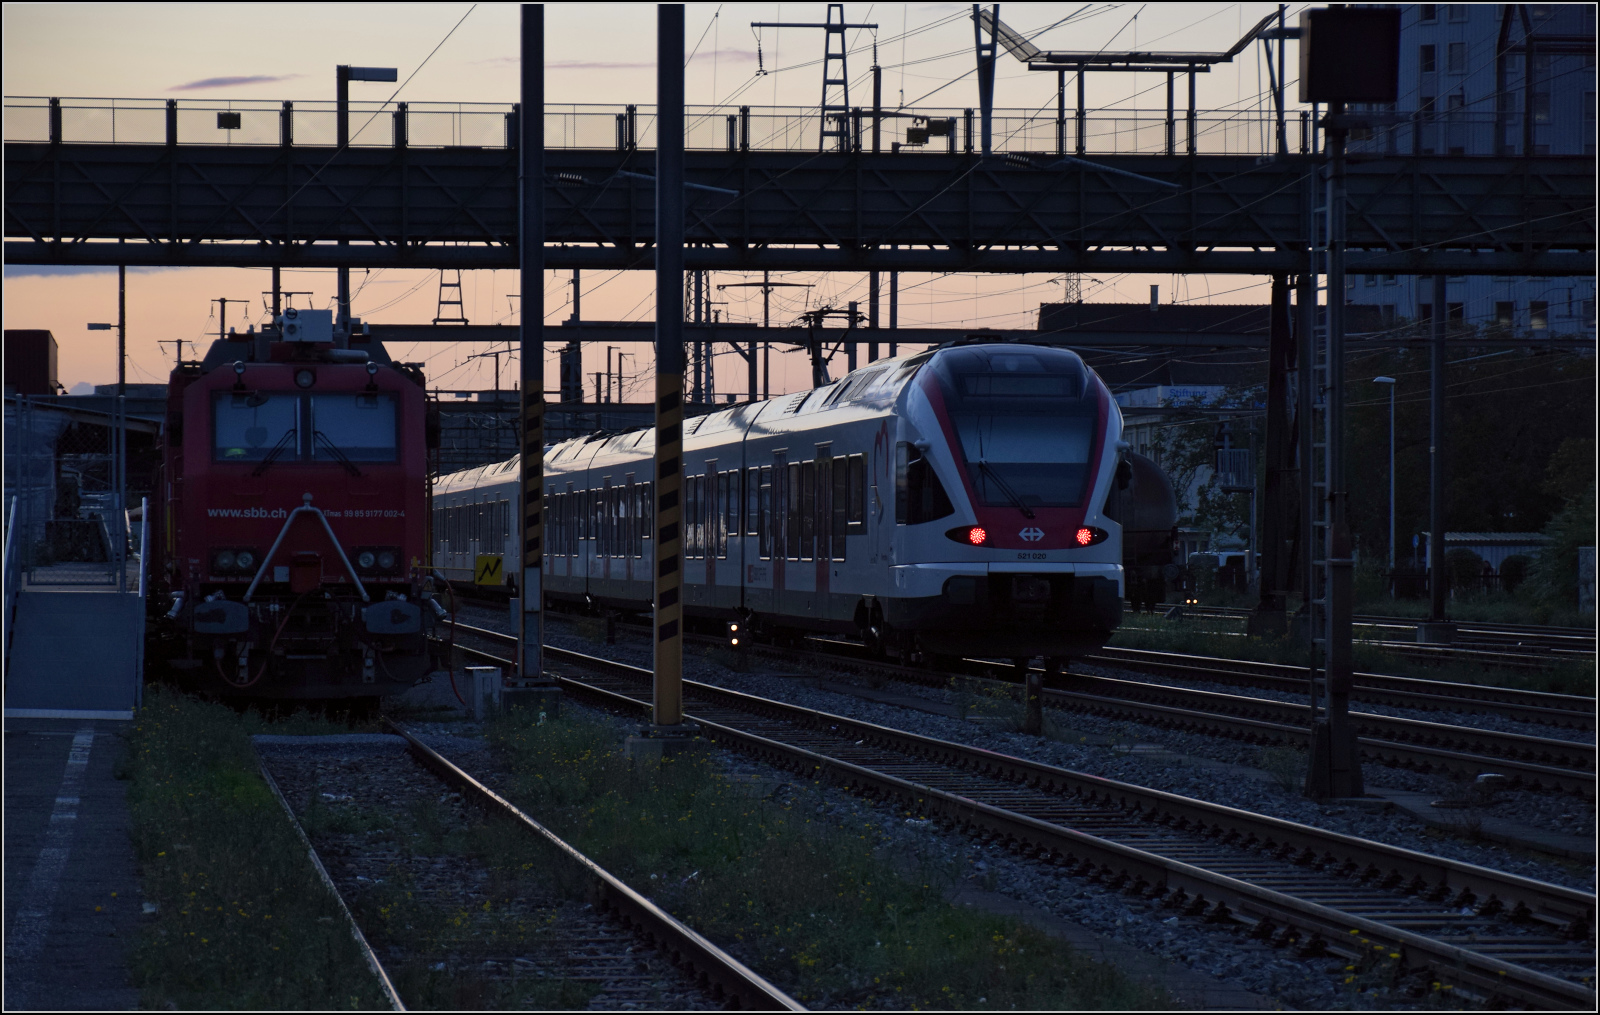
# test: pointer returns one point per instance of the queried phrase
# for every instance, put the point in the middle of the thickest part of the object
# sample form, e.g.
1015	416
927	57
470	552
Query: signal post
668	734
532	687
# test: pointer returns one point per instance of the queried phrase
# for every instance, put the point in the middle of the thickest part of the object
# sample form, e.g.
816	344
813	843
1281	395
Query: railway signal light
734	633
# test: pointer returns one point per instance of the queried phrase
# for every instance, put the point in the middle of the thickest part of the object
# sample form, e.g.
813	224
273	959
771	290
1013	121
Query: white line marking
32	924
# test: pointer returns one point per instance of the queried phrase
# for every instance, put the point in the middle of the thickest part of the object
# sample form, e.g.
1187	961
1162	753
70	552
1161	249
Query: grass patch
1485	608
242	922
1201	637
814	907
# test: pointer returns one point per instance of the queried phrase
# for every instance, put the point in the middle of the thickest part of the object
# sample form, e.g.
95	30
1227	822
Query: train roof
869	390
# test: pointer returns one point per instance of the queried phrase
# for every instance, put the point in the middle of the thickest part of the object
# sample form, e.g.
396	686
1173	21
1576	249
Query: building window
1457	58
1538	315
1541	107
1588	313
1388	280
1503	314
1455	313
1458	12
1425	59
1369	280
1426	105
1458	105
1430	12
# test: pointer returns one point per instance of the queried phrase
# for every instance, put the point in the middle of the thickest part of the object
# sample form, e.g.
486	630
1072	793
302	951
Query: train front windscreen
1024	424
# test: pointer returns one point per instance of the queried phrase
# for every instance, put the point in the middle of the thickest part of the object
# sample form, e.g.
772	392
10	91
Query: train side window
925	499
822	507
902	463
647	518
727	509
807	509
752	502
763	513
841	505
690	530
856	496
791	511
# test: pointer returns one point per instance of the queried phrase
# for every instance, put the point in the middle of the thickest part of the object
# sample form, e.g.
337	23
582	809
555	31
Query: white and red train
958	501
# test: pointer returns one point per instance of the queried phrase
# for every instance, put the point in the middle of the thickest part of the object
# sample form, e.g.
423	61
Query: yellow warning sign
489	570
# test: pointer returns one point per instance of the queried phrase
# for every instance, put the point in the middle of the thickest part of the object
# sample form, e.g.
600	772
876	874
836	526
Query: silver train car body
950	502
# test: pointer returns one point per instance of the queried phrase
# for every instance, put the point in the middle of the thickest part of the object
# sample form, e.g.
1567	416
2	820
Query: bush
1514	571
1464	569
1553	578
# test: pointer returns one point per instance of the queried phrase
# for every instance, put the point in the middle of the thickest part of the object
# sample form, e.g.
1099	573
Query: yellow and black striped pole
668	696
531	687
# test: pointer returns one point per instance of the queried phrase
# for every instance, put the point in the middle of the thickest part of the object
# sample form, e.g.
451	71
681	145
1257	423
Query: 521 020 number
1032	555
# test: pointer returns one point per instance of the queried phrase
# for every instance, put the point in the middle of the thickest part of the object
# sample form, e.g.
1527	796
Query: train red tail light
1088	535
972	535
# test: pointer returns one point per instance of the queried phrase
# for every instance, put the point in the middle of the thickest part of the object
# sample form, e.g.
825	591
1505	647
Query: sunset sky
596	54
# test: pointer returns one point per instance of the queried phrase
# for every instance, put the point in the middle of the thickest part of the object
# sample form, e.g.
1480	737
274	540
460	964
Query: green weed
807	903
242	920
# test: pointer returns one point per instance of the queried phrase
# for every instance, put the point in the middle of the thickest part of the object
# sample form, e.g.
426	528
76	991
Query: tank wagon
1148	513
950	502
294	522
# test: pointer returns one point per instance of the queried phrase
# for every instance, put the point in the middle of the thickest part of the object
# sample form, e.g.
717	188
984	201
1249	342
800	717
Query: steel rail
1447	885
371	957
733	978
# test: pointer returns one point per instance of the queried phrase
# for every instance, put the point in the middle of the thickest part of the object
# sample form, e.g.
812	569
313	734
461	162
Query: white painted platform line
32	924
69	713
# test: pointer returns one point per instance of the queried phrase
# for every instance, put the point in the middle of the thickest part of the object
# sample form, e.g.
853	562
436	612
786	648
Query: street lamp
343	75
1391	383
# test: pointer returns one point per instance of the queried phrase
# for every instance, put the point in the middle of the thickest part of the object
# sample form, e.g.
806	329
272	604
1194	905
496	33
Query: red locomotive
295	529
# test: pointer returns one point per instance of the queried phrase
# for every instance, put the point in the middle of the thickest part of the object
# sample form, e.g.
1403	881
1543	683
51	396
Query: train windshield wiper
277	449
1005	488
333	449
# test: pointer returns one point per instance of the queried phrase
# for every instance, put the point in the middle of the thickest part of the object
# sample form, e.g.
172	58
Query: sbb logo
1031	534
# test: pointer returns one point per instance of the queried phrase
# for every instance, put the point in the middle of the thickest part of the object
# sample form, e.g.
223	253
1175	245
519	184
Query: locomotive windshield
285	427
361	426
1025	428
249	426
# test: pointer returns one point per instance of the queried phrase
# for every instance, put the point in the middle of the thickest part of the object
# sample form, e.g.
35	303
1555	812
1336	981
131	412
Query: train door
710	539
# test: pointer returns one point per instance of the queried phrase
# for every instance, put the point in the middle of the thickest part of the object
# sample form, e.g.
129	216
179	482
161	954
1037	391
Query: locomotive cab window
248	428
361	427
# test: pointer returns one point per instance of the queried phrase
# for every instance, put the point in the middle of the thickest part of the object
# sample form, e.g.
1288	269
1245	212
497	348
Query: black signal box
1350	54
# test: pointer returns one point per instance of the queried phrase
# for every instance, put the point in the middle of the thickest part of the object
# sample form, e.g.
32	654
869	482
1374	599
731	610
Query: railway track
622	949
1534	762
1546	707
1472	637
1529	761
1507	938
